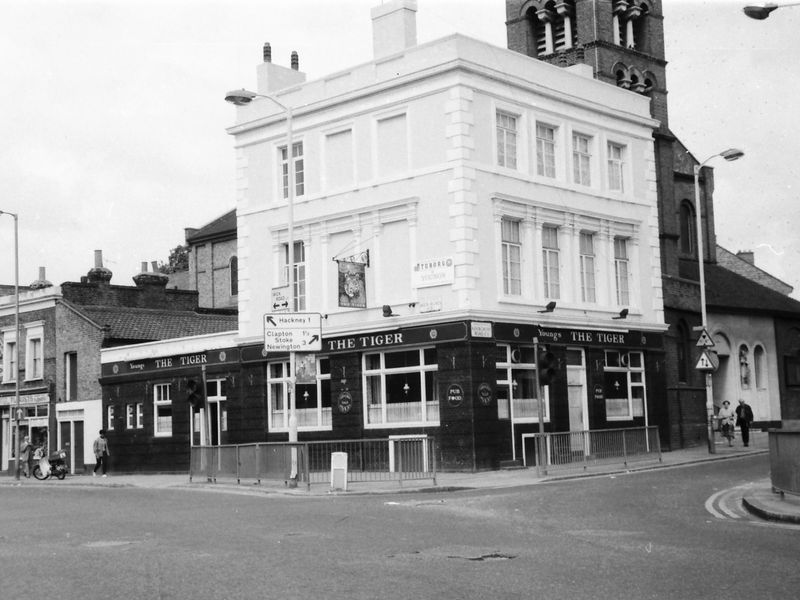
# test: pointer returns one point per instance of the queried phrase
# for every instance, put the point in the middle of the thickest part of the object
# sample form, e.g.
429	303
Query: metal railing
590	448
401	458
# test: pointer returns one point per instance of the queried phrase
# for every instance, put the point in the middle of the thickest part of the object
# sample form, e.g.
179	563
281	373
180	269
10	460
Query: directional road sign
280	299
292	332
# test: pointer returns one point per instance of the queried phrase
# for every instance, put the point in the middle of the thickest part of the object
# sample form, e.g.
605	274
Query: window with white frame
34	348
624	385
506	140
512	257
162	409
130	416
400	388
299	273
550	263
10	369
545	150
616	167
392	145
313	390
110	417
517	385
299	169
588	288
622	271
139	415
582	159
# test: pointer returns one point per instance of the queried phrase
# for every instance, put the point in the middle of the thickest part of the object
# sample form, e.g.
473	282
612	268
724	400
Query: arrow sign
705	341
292	332
280	299
709	361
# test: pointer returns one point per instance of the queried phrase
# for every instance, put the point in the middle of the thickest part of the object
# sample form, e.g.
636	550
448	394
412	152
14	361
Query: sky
112	115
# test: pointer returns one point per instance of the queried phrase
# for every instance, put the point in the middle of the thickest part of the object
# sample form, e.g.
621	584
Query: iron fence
398	458
590	448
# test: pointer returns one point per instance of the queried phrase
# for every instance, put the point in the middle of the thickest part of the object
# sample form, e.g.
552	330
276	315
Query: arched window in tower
552	25
688	242
234	273
629	24
760	367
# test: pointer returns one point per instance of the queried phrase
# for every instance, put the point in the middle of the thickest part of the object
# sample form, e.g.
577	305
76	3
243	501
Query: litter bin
339	471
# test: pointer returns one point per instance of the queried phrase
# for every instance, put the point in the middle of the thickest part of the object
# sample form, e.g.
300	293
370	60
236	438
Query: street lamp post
241	98
17	411
762	11
729	155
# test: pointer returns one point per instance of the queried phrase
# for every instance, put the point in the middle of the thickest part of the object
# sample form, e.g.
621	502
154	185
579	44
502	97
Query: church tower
623	41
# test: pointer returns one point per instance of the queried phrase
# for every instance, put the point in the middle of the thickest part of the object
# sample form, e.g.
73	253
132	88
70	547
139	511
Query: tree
178	260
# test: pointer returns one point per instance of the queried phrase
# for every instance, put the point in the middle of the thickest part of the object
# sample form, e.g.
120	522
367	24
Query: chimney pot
267	52
98	259
295	61
144	267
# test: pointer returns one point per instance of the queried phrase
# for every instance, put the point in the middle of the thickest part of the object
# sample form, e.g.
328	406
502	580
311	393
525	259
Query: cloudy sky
113	119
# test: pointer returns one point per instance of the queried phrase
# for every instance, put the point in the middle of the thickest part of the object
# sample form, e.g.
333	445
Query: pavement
760	499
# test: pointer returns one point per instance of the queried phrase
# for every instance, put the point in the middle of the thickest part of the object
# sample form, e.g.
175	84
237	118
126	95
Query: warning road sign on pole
709	361
705	341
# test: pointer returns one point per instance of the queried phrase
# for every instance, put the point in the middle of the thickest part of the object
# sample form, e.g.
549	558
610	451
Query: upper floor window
512	258
545	150
687	229
400	388
582	159
392	145
550	263
71	374
234	274
299	169
34	348
616	167
622	271
553	25
506	140
299	294
8	356
162	409
588	289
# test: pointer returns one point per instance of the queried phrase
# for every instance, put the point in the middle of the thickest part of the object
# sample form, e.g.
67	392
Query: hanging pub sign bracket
361	258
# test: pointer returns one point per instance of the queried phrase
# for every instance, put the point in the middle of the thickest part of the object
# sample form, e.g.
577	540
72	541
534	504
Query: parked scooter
55	465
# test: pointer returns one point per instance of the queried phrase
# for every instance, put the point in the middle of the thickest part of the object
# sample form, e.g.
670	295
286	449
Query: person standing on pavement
25	456
101	453
744	416
726	418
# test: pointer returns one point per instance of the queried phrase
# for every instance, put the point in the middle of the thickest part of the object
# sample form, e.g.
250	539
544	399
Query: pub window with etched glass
162	410
400	388
313	400
517	385
625	391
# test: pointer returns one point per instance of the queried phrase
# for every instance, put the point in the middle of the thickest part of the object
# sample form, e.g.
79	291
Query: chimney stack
747	256
394	27
98	274
41	282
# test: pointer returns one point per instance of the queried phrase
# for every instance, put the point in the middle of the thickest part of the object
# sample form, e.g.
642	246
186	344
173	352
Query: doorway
578	399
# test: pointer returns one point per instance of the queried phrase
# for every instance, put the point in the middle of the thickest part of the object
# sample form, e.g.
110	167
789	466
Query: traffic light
194	396
546	367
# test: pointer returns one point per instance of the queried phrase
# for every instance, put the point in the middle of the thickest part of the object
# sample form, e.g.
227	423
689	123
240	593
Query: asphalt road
670	533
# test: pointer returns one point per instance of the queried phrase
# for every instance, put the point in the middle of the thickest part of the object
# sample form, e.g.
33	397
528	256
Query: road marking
710	505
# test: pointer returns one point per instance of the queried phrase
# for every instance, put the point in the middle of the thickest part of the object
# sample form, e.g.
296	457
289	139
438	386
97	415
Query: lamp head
240	97
623	314
732	154
387	311
759	13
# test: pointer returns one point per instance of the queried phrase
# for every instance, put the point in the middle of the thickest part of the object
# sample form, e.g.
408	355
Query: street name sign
292	332
280	299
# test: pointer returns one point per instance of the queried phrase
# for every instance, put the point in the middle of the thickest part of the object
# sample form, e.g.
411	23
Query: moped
55	465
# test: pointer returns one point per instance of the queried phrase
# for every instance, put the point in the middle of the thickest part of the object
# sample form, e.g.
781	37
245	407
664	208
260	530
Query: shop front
32	417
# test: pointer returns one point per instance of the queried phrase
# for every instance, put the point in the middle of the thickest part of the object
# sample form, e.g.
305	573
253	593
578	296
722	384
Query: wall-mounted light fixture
550	307
623	314
387	311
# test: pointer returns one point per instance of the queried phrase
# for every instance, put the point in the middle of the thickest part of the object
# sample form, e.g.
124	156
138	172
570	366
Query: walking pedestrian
744	416
25	455
101	453
726	418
